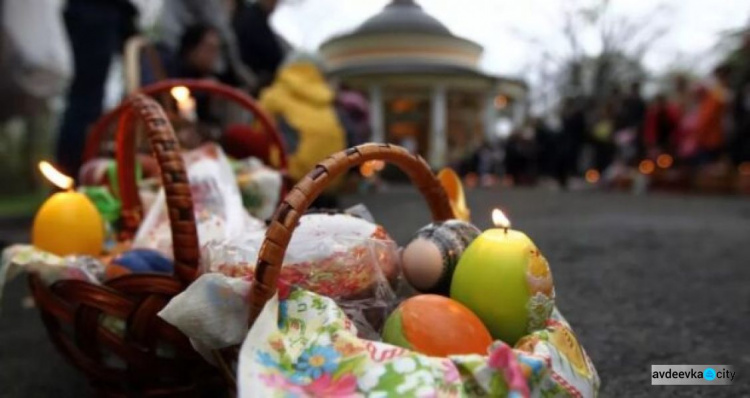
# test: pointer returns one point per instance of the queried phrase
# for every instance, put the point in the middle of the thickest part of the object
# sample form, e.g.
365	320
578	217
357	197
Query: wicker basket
299	199
98	132
75	313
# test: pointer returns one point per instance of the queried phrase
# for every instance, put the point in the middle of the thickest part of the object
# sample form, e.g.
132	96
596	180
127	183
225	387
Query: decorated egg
156	261
506	281
428	261
437	326
144	260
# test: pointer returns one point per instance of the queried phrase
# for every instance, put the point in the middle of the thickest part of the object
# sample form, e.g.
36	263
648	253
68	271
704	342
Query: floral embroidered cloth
303	345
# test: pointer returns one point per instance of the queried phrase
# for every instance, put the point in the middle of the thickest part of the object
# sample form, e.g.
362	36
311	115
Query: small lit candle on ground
505	280
68	222
185	102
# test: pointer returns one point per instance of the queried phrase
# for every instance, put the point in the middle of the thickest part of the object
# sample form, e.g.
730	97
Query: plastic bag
212	311
336	255
344	257
49	267
216	201
260	187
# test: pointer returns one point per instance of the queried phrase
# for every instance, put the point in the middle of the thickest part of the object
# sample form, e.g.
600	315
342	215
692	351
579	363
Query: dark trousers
566	159
96	30
605	153
740	147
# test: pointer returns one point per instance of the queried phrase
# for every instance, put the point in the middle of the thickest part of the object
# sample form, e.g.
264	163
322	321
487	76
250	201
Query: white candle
185	102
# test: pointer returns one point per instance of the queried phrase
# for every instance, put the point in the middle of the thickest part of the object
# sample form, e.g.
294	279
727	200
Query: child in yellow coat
302	104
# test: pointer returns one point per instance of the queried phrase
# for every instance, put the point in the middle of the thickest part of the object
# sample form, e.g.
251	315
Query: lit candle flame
646	167
185	103
54	176
499	219
180	93
592	176
664	161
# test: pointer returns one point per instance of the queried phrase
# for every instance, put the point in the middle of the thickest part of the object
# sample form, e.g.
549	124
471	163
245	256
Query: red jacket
651	127
710	130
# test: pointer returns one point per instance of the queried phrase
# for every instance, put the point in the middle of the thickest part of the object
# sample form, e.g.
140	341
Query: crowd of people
691	124
230	41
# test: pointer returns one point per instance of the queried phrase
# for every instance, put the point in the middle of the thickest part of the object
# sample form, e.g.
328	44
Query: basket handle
131	208
165	146
99	129
300	197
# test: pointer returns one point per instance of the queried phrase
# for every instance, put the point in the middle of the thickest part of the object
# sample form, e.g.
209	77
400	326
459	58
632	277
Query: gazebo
425	88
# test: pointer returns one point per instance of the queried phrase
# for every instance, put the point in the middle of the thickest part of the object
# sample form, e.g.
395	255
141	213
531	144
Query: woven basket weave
143	356
299	199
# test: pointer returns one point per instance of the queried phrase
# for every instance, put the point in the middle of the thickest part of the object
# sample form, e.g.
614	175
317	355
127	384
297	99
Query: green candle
505	280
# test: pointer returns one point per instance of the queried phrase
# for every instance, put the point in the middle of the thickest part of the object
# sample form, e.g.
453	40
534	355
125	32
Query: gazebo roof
403	16
402	40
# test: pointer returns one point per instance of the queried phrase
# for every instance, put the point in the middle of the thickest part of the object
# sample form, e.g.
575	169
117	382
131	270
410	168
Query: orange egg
436	326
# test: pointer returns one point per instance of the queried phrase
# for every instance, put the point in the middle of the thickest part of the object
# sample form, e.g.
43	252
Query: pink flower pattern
325	386
503	359
450	372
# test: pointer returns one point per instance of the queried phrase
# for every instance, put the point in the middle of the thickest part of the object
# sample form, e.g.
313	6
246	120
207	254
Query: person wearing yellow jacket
302	103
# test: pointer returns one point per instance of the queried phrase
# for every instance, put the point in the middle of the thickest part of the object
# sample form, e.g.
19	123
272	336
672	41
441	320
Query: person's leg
599	156
95	31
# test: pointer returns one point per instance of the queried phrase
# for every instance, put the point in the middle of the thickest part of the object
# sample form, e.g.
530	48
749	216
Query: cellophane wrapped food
49	267
346	258
216	201
259	185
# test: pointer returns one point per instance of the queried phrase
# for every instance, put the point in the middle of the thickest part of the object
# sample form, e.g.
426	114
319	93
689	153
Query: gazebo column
376	114
489	115
519	111
438	133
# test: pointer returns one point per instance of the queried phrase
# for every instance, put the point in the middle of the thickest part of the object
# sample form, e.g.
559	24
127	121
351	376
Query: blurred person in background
485	163
97	30
632	113
178	15
353	110
521	155
302	103
198	57
686	135
602	134
571	141
740	64
711	126
682	96
261	49
660	127
546	142
199	53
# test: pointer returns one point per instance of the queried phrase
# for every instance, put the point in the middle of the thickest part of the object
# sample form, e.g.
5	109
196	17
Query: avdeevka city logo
692	374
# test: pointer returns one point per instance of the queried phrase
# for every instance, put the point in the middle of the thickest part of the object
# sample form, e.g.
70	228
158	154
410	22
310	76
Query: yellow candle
68	222
505	280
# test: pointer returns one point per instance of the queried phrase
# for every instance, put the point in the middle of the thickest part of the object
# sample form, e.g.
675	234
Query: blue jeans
96	30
